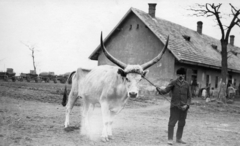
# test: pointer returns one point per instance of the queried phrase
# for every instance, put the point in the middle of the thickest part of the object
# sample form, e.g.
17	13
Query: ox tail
65	96
64	100
69	80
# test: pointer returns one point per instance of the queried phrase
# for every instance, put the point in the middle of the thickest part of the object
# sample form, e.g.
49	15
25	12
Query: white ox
110	86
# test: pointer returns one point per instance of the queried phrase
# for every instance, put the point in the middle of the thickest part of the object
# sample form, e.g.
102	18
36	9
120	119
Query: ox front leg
109	130
105	120
110	122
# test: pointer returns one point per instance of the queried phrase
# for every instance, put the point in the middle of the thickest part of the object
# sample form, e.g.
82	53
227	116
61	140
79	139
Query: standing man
180	103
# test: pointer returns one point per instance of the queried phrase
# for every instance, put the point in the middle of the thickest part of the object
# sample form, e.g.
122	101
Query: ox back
102	84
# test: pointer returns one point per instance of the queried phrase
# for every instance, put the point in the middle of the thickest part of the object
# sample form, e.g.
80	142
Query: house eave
207	65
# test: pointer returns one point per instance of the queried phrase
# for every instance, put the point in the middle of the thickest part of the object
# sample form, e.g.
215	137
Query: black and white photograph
119	73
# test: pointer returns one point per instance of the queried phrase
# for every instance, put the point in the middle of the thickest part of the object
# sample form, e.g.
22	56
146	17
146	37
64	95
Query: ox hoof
104	139
110	137
66	125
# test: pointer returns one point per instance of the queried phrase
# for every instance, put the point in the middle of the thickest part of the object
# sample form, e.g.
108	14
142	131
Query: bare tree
213	10
33	50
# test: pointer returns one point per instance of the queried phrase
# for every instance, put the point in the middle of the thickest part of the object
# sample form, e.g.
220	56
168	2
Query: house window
235	53
207	80
214	47
186	37
194	80
194	77
137	26
230	80
216	82
234	82
195	71
130	27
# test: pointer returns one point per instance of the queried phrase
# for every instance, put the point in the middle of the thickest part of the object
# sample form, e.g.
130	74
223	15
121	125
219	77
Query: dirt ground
31	114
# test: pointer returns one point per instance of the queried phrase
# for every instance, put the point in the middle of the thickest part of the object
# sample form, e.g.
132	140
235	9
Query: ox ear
145	72
121	72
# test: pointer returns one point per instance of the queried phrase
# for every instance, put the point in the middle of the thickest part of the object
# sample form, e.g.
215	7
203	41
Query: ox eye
127	80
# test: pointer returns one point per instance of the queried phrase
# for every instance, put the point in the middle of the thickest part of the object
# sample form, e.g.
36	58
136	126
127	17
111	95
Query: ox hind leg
70	103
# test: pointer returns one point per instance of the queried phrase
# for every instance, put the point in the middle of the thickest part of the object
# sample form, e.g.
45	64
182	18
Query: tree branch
216	13
209	10
235	14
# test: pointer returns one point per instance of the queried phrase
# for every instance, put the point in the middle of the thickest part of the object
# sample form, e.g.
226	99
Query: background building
140	36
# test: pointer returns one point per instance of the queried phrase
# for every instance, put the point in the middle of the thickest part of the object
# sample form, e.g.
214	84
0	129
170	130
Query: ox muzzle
133	94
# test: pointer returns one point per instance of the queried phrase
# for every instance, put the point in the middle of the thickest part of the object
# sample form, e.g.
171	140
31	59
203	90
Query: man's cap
181	71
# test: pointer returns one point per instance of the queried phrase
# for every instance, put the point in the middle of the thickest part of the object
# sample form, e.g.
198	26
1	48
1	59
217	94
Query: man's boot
179	135
170	134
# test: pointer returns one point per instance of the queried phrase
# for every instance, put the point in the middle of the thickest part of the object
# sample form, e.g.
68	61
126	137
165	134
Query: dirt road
31	115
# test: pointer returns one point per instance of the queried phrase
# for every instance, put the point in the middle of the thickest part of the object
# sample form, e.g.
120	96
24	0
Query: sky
65	32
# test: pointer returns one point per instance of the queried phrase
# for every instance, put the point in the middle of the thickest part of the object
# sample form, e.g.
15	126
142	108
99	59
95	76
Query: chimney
151	9
232	40
199	27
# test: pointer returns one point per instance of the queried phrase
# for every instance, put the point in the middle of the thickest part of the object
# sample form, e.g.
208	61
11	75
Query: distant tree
213	10
33	50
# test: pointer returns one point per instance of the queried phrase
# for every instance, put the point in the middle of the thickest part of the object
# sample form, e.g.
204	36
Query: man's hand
184	107
159	90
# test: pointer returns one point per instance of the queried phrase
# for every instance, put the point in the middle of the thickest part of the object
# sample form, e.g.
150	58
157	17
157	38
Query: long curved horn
110	57
157	58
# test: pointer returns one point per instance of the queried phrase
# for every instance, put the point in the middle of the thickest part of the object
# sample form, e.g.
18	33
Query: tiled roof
198	50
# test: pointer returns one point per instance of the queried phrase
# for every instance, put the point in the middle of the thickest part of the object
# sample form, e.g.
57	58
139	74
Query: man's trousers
176	115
